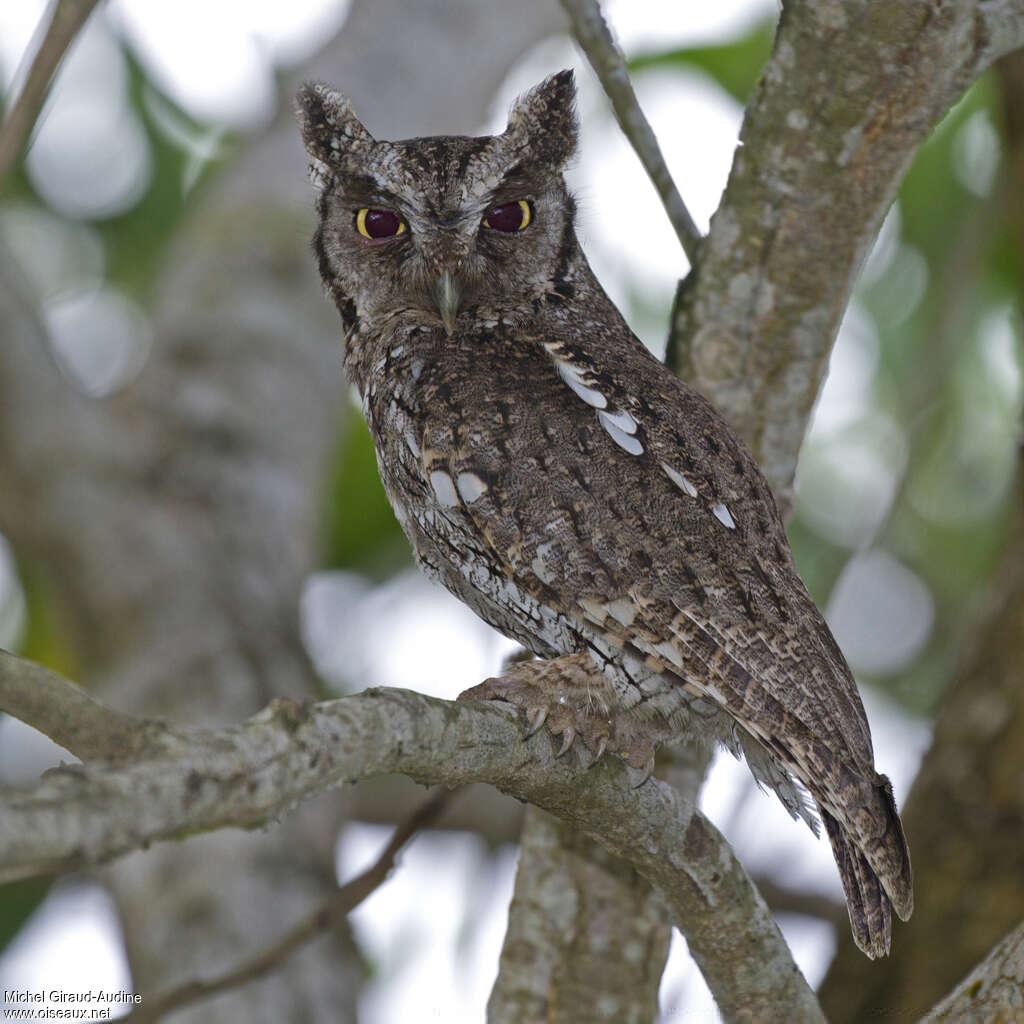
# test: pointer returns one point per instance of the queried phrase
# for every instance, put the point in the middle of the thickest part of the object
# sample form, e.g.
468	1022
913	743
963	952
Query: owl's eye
509	217
376	224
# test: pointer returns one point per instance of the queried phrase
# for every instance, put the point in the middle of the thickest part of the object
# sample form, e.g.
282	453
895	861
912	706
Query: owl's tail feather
889	854
866	901
876	873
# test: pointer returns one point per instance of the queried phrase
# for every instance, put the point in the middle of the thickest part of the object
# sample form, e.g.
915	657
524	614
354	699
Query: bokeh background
905	484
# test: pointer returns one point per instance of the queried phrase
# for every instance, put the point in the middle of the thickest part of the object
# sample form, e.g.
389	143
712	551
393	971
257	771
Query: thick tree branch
594	38
992	993
849	94
587	935
250	774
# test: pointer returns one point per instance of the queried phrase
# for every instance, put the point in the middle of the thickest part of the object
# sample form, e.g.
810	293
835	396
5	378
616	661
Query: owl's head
430	228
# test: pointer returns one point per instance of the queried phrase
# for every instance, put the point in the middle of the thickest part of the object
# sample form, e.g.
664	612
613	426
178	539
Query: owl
562	482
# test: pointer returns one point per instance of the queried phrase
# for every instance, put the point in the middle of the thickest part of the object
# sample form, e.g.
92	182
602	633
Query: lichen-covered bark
246	775
571	895
850	92
993	993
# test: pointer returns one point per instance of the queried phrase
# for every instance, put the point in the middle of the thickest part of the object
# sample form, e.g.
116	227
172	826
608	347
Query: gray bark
587	936
851	91
186	781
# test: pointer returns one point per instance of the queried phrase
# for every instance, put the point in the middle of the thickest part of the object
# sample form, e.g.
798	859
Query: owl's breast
428	404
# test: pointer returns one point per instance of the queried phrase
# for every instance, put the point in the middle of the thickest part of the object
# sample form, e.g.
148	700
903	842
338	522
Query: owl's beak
448	295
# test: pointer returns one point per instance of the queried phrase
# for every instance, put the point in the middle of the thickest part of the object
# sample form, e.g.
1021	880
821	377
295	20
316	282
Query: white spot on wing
444	488
622	419
622	610
618	435
679	480
540	565
416	368
470	486
671	653
411	442
573	376
723	515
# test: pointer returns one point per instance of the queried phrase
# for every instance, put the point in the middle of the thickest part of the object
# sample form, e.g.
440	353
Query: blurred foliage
18	900
361	530
735	66
44	638
135	242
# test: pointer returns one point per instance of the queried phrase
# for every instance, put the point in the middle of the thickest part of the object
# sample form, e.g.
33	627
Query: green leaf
736	66
362	532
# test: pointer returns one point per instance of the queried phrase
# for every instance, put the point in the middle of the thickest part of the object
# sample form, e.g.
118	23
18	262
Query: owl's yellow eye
509	217
377	224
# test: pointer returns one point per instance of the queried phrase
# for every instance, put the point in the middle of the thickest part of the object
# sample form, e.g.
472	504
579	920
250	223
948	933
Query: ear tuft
328	124
545	119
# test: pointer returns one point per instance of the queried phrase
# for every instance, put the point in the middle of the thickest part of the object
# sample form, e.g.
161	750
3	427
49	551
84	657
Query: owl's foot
575	703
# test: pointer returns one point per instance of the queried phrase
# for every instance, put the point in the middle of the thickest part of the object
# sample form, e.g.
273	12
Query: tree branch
992	992
849	94
247	775
69	715
68	18
587	936
595	39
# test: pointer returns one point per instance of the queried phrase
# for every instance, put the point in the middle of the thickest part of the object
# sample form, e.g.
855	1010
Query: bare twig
68	17
343	902
595	39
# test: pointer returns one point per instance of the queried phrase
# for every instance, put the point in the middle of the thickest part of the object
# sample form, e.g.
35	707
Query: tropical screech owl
555	476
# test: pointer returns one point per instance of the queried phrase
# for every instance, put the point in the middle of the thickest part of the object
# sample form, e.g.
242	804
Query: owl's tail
875	869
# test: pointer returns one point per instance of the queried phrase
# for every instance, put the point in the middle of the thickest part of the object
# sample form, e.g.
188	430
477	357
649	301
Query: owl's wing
632	525
643	522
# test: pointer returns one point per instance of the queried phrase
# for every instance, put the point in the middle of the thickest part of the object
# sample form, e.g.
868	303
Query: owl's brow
515	184
366	190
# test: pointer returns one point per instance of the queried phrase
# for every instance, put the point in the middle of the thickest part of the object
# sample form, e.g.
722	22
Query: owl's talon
648	771
537	719
567	737
602	745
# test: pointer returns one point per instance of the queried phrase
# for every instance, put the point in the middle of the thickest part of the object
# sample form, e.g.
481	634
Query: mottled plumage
562	482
